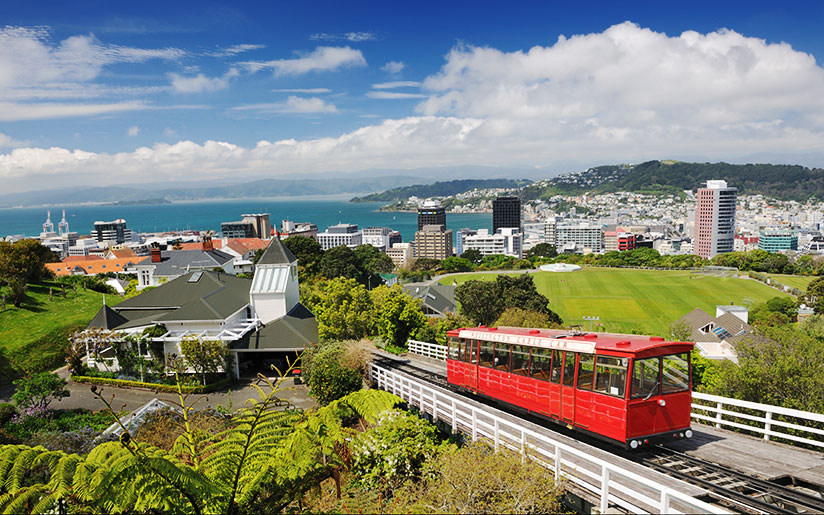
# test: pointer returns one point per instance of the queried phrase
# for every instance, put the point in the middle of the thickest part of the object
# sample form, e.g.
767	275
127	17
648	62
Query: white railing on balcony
610	483
712	409
715	410
430	350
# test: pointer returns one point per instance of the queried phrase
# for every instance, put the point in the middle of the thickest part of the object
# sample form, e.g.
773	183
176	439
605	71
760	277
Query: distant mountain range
440	189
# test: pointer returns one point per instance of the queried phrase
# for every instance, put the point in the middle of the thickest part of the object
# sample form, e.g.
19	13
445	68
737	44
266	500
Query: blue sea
208	214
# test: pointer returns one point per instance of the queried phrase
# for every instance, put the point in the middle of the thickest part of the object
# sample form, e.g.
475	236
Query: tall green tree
542	250
398	316
307	250
343	308
480	301
814	297
204	356
22	262
342	262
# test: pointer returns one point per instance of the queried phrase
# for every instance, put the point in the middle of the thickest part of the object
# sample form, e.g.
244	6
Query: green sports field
794	281
645	301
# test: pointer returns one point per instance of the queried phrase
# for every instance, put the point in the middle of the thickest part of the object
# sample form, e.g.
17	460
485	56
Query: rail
762	415
612	484
430	350
718	412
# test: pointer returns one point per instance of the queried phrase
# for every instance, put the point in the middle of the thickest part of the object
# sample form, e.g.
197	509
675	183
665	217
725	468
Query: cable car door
473	363
568	388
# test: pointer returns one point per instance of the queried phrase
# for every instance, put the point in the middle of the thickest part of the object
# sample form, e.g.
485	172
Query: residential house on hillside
163	266
260	320
436	299
716	336
93	266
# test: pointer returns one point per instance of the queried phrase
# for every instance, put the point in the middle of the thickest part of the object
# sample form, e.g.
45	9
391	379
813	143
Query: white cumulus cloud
234	50
200	83
322	58
293	105
393	67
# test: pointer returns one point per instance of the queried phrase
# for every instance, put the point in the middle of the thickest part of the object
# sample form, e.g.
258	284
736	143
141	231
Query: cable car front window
645	373
454	349
586	369
569	369
676	373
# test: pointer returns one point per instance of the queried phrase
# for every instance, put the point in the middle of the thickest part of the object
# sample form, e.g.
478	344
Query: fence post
523	446
495	431
605	489
474	425
768	425
718	414
420	392
665	501
434	406
454	418
557	463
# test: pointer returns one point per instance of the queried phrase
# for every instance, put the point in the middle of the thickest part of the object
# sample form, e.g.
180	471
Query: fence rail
715	410
430	350
610	483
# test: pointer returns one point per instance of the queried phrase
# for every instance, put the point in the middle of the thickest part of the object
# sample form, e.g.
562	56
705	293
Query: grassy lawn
32	337
794	281
645	301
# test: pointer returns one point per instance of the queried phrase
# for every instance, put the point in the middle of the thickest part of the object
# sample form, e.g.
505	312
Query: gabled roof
91	266
212	296
437	297
107	318
729	323
276	254
123	253
176	262
295	331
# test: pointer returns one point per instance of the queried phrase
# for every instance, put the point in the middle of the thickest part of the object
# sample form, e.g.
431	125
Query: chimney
155	252
207	243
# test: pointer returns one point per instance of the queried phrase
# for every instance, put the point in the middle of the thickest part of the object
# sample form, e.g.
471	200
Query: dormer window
707	328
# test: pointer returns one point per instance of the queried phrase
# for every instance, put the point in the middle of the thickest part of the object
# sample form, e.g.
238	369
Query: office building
507	241
289	228
395	237
260	222
433	242
378	237
461	237
774	240
618	240
112	233
400	254
715	219
340	234
239	229
431	213
506	212
580	237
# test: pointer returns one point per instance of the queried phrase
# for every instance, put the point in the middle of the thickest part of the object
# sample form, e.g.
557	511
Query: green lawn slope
643	301
793	281
32	337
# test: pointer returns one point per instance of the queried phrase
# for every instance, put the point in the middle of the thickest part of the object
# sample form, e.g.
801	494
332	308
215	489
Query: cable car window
520	360
469	352
645	374
586	371
557	367
473	351
541	360
454	349
569	369
501	359
675	375
611	375
485	359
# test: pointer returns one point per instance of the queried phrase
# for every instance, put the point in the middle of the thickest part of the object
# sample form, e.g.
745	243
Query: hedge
152	386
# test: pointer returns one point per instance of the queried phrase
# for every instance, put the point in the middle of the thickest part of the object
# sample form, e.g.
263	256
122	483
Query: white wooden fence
712	409
610	483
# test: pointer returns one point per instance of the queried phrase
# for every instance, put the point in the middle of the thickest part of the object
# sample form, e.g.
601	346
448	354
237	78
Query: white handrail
611	483
767	423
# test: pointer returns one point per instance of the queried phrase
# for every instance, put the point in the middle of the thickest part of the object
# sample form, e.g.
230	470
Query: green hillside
644	301
440	189
33	337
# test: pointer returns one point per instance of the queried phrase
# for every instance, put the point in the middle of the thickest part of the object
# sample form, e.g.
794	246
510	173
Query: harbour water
208	214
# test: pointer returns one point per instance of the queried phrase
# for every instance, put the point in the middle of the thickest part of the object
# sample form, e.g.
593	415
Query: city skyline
98	95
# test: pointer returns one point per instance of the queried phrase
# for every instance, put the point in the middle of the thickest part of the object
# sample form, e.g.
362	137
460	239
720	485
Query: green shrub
6	412
153	386
326	377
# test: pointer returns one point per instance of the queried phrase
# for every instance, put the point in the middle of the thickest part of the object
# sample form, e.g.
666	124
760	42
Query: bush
325	375
81	441
6	412
37	391
172	388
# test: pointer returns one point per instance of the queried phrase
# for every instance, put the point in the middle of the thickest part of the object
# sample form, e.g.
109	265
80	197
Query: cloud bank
612	96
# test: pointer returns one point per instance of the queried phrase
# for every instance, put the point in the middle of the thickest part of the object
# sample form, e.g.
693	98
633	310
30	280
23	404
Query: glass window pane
520	360
586	370
569	369
611	375
501	360
486	354
557	367
469	352
539	367
454	349
645	377
676	373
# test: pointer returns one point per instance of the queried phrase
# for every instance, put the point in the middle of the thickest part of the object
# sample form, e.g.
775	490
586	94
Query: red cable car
627	389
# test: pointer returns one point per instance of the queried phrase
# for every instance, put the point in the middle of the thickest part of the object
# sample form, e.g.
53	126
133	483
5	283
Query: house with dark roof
436	299
163	266
715	337
260	319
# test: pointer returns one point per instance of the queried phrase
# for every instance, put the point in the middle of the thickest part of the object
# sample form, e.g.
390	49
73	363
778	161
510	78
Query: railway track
725	486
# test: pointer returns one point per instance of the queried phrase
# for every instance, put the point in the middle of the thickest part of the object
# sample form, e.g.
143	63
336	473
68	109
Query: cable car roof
587	342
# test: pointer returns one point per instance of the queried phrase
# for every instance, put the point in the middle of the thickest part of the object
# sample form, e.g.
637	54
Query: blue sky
110	93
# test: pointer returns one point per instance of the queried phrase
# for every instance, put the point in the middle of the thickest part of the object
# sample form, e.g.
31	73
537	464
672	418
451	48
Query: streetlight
591	319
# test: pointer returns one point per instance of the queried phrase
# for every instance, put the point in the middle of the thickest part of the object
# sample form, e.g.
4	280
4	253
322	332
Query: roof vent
623	342
534	331
482	327
195	277
656	339
590	336
493	328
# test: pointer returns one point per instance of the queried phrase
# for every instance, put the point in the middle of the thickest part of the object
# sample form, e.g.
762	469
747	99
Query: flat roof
587	342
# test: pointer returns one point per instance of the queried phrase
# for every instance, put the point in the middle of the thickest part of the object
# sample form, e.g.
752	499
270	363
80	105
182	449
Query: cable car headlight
662	402
688	433
634	444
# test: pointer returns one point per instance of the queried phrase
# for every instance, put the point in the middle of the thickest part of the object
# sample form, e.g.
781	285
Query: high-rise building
378	237
431	213
239	229
461	238
774	240
433	242
715	219
260	221
506	212
583	237
113	232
